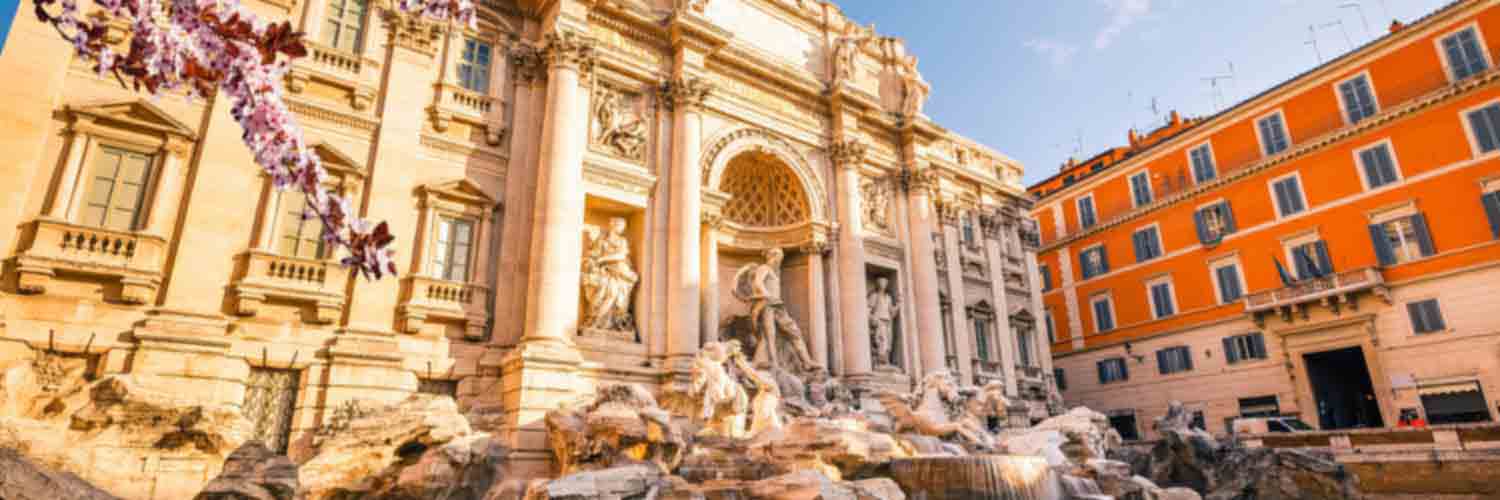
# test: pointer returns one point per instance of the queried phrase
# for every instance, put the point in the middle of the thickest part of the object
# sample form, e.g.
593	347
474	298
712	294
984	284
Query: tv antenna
1362	21
1214	90
1312	39
1340	24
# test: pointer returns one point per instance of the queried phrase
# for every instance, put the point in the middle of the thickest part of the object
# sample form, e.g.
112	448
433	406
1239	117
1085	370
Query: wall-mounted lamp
1138	358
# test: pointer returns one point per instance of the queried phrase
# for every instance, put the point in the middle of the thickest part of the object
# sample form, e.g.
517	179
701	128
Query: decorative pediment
461	190
336	161
1021	313
138	114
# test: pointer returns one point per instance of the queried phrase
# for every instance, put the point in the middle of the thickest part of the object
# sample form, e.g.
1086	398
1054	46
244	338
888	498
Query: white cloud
1124	13
1057	53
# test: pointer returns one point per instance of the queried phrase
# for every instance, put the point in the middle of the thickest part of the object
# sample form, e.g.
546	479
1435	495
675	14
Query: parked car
1265	425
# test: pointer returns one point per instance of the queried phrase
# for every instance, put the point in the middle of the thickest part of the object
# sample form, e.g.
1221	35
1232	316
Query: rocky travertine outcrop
22	480
1075	437
622	425
836	448
253	472
420	448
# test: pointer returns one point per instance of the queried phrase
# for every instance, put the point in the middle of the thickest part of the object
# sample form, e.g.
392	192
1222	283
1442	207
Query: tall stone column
525	66
965	339
994	252
684	96
924	271
709	318
854	307
817	307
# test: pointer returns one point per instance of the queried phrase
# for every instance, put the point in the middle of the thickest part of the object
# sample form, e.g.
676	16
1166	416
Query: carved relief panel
619	122
875	205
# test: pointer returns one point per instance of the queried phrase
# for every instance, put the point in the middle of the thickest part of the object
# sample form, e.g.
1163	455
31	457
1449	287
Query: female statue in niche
608	280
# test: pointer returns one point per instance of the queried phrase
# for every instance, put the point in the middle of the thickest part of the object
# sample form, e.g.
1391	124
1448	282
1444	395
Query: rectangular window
451	255
1023	347
1113	370
1401	240
1311	260
1485	124
1491	202
1462	52
1093	262
1086	217
1203	164
1378	166
1244	347
1162	303
1045	273
1260	406
1147	244
982	338
1358	99
1051	329
1273	138
968	230
1228	279
1426	317
1104	315
1061	377
1140	189
117	189
1214	222
1174	360
1288	193
345	24
474	68
301	232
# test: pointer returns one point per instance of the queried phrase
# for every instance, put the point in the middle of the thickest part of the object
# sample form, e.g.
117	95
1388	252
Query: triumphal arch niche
752	170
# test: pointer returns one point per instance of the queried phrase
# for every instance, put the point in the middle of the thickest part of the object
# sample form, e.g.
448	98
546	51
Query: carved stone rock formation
20	479
988	477
1074	437
418	448
838	449
940	408
622	425
721	403
253	472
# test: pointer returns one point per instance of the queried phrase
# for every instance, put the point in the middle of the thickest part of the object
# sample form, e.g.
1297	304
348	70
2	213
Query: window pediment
461	190
336	161
134	114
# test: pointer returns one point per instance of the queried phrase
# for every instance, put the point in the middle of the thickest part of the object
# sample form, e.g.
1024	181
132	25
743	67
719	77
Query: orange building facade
1328	249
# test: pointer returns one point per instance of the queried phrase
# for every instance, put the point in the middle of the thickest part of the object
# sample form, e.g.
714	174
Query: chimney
1134	138
1397	25
1176	118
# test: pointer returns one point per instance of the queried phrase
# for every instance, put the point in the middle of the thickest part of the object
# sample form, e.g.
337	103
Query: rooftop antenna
1340	24
1362	21
1213	89
1312	39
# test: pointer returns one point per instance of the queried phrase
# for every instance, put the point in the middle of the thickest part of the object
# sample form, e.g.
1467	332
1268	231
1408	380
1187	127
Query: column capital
948	211
712	221
990	223
848	153
819	247
688	93
527	64
413	31
918	181
569	49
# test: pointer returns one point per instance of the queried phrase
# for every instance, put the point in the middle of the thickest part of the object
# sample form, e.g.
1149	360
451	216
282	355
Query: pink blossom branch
216	47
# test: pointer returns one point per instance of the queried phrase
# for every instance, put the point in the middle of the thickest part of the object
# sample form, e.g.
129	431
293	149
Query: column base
538	376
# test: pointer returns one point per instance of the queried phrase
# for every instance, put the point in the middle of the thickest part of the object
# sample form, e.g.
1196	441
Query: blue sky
7	14
1030	77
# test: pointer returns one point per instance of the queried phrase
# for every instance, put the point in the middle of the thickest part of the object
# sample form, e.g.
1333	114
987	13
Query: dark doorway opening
1341	386
1124	423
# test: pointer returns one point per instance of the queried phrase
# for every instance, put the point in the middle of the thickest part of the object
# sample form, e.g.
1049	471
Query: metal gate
270	399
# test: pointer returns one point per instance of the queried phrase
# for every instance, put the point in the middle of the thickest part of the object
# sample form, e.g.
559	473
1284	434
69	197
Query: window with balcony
1484	126
1140	188
1104	313
1086	216
448	294
450	259
1113	370
1272	133
116	189
474	66
1202	159
1287	193
1377	166
1245	347
1402	239
1147	243
1174	360
344	26
1463	54
1311	260
1163	304
1093	262
1228	284
1214	222
301	232
1426	316
1357	98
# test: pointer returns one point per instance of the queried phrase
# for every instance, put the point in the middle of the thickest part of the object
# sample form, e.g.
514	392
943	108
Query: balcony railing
315	283
986	371
1333	290
426	299
52	246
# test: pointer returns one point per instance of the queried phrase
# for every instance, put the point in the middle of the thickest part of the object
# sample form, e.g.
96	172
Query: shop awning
1448	388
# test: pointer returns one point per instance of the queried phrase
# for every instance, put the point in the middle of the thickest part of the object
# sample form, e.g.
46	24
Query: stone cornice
1308	147
569	49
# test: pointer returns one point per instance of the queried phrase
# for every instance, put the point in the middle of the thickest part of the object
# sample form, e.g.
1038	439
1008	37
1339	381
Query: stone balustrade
51	246
1334	291
426	300
317	284
1451	437
339	69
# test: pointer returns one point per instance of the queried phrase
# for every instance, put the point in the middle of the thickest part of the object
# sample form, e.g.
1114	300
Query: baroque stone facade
572	184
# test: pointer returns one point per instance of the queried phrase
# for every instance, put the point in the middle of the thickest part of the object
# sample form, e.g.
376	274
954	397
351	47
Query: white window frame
1286	130
1088	249
1050	325
1343	107
1484	49
1171	295
1130	181
1078	209
1301	192
1359	167
1463	120
1291	242
1093	310
1046	277
1160	246
1213	274
1212	158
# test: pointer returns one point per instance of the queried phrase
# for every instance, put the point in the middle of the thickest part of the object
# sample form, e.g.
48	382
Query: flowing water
984	477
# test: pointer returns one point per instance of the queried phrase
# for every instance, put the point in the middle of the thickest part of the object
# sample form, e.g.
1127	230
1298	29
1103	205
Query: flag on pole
1286	279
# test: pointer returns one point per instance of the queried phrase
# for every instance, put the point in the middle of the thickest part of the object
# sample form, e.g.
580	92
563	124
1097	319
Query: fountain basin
980	477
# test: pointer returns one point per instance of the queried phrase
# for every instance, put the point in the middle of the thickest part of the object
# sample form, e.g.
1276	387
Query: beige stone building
575	186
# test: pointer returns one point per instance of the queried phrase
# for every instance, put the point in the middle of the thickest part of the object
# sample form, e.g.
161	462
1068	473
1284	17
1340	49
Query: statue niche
609	283
772	329
884	309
